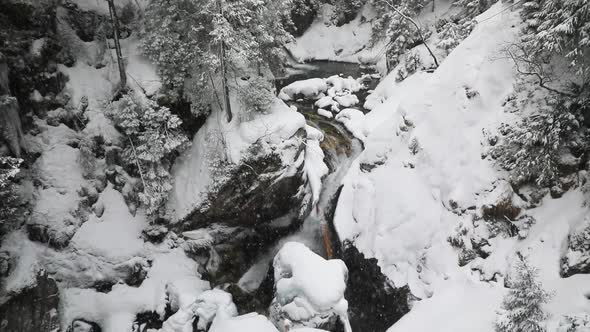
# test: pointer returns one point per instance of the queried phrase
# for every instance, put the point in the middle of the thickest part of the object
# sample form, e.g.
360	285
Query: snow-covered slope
422	169
325	41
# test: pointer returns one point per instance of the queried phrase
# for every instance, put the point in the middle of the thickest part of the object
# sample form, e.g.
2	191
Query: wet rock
34	309
374	303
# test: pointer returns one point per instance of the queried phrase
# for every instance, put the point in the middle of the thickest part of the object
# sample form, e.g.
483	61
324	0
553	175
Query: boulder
309	290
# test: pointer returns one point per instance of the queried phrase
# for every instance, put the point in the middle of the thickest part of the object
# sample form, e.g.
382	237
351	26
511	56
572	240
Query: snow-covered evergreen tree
390	25
531	149
560	27
9	168
153	137
522	308
190	40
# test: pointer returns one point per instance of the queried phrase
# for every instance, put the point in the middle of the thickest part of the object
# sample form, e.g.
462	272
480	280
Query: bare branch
417	28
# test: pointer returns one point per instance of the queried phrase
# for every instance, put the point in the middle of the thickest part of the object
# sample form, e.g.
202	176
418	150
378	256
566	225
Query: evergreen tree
154	138
201	46
560	27
522	309
9	168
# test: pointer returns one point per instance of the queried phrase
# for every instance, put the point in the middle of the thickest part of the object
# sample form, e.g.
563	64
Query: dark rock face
258	301
34	309
260	202
302	16
257	192
373	303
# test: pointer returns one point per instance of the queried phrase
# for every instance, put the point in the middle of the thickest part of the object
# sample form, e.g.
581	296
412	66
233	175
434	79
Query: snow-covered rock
325	102
310	89
324	113
347	100
309	289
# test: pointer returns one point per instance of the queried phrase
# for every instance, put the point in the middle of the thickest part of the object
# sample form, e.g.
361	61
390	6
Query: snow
115	311
220	140
214	304
324	113
347	100
340	84
352	119
251	322
315	168
325	102
399	210
308	287
350	42
141	73
116	234
311	89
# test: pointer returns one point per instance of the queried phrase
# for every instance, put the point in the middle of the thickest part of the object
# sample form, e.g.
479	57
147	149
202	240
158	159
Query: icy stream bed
340	149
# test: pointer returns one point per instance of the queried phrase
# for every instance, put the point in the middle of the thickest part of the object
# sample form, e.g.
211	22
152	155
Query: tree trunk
115	21
417	28
226	101
227	104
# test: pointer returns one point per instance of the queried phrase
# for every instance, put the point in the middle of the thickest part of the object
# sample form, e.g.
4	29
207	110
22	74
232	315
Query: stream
374	304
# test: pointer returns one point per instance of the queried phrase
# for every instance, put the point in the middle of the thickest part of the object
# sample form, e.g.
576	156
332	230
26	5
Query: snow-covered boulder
310	89
309	289
340	83
326	102
324	113
347	100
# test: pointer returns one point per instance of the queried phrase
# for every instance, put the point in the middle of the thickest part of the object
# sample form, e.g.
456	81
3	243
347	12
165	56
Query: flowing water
340	149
